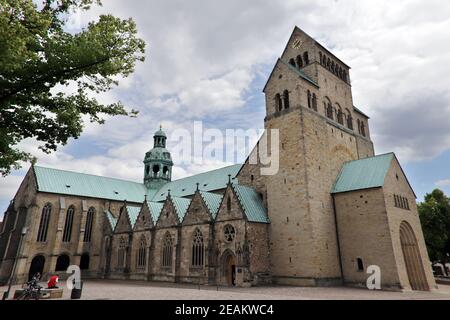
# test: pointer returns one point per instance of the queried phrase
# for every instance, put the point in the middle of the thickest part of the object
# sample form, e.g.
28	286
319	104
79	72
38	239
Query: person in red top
53	282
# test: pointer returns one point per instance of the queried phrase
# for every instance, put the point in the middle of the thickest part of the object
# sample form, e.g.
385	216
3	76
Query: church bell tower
158	163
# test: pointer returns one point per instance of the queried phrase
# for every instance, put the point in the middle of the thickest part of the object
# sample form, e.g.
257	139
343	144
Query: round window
229	233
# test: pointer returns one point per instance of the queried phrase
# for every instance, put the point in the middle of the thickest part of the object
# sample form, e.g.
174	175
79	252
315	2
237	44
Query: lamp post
22	235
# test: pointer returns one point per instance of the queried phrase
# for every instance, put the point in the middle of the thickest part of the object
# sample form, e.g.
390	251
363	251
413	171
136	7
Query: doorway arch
37	265
229	268
412	258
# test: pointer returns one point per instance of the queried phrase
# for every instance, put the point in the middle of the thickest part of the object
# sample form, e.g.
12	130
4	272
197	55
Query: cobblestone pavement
136	290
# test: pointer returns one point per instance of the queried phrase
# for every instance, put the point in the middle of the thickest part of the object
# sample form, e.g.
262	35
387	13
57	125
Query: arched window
167	251
292	62
359	126
314	102
299	61
286	99
332	66
62	263
147	169
328	63
329	109
278	102
349	120
89	224
142	253
363	129
68	225
43	225
344	76
198	249
309	100
155	170
306	58
340	115
360	264
121	253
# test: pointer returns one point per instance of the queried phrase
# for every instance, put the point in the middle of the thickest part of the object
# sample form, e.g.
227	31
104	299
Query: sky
209	60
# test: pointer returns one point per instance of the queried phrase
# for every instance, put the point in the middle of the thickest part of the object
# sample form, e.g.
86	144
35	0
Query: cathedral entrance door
230	265
37	265
412	258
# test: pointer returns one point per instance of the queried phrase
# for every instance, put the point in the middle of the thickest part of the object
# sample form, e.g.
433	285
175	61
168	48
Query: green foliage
38	58
434	215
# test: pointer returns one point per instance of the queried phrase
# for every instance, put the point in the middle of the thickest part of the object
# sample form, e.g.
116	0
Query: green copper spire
158	162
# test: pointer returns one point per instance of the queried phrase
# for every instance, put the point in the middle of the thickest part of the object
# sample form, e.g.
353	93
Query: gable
281	64
234	211
168	216
123	223
144	219
198	212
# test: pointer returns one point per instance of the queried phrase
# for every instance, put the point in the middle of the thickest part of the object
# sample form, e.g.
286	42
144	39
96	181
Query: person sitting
52	283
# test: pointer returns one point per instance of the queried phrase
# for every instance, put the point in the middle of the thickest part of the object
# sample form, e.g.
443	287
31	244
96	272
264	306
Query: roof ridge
237	164
87	174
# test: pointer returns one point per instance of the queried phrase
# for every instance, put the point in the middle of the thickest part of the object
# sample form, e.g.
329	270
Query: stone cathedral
333	209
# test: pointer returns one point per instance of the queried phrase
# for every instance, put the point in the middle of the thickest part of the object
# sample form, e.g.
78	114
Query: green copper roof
155	209
363	174
181	206
212	201
87	185
208	181
252	204
112	220
133	213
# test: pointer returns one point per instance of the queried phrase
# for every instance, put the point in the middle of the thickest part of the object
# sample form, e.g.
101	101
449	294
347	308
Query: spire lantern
158	162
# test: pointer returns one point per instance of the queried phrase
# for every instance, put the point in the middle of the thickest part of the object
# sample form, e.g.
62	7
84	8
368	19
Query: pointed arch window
167	251
198	250
349	120
142	253
228	204
89	225
330	111
286	99
43	225
68	224
278	102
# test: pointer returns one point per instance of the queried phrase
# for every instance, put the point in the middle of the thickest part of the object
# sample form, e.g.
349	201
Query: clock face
297	43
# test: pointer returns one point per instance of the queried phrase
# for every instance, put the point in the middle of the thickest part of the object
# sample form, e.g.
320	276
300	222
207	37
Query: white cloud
443	183
202	57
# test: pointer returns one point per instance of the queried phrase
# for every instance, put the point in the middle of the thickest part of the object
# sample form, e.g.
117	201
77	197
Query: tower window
306	58
278	103
286	99
299	61
309	100
314	102
147	170
155	169
292	62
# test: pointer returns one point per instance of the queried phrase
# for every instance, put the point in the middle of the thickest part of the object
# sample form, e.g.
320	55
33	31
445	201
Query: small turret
158	162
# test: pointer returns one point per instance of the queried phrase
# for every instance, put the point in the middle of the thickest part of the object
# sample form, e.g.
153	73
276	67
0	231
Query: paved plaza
136	290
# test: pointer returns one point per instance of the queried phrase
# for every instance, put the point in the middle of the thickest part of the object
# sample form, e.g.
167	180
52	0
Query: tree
434	215
38	56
